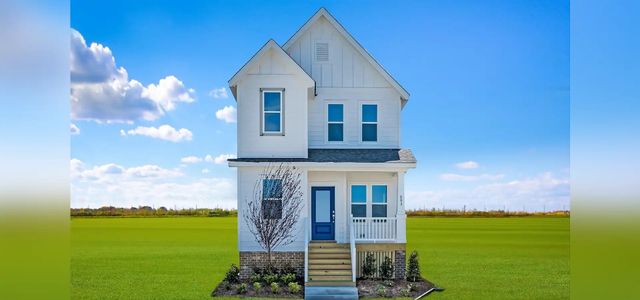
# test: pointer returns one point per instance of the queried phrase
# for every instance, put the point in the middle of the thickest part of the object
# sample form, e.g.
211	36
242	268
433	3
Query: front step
334	292
345	255
330	283
329	265
327	272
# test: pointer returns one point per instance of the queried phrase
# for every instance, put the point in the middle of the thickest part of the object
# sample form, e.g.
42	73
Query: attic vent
322	51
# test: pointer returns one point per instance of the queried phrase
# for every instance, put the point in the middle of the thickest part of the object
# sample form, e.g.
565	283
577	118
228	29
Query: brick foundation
251	260
400	264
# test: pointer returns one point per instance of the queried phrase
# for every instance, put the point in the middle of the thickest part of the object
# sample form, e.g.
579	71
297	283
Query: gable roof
270	44
322	12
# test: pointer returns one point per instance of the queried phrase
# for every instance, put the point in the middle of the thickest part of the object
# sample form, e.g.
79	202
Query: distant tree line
478	213
148	211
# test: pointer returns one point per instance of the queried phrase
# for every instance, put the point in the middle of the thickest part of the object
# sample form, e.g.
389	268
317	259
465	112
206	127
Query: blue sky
489	84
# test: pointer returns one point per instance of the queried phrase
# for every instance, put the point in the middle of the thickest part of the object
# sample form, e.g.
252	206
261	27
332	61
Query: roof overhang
318	166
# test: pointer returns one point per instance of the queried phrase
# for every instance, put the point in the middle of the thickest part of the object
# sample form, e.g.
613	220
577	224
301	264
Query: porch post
401	216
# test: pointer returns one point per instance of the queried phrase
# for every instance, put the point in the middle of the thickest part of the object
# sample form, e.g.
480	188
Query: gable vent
322	51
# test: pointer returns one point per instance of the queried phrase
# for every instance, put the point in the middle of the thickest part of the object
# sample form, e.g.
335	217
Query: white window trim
386	204
366	200
263	112
326	138
377	122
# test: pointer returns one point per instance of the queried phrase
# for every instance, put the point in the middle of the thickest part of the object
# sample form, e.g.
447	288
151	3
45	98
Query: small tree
275	209
386	268
413	268
369	266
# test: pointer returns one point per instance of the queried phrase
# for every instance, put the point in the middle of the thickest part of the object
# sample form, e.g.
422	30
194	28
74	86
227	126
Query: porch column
400	213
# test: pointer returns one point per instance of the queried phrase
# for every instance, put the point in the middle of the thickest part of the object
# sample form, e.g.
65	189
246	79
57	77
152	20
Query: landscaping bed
282	283
371	288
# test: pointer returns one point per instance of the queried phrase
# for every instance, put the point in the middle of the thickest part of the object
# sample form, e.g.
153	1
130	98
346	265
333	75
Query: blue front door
323	203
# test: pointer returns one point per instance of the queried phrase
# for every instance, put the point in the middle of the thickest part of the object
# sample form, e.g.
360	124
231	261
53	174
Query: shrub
233	275
369	266
412	287
288	278
406	292
381	290
386	268
275	288
256	277
257	287
287	269
241	288
270	278
294	287
413	268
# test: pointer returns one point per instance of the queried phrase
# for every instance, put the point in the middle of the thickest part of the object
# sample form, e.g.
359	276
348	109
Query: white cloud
459	177
219	93
74	129
116	185
467	165
220	159
191	159
544	191
103	92
205	171
227	114
164	132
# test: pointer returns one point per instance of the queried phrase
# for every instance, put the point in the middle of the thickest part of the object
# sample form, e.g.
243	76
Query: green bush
257	287
288	278
241	288
275	288
287	269
294	287
406	292
270	278
413	268
381	290
369	266
233	275
412	287
256	277
386	268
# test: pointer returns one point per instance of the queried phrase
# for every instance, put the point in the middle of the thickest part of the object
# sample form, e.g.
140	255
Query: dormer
272	93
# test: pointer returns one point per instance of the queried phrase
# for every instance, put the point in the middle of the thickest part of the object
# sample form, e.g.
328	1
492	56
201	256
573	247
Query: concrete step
345	255
333	293
321	266
329	272
331	283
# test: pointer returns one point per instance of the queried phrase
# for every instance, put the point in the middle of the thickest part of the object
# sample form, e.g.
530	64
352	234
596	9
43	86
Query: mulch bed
368	288
225	289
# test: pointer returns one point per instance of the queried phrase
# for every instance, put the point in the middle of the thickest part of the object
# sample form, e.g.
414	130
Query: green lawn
184	258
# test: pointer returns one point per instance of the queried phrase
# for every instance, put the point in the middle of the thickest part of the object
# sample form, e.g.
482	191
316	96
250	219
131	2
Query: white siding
247	178
389	108
272	71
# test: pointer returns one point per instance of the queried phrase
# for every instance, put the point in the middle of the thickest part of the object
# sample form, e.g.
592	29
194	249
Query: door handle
333	216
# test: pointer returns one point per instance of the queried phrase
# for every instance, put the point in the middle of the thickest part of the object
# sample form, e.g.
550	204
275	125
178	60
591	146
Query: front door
323	203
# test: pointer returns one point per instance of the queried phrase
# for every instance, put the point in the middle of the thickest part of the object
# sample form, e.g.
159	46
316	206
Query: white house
323	104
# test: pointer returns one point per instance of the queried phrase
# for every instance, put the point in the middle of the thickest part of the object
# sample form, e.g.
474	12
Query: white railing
307	236
375	229
352	240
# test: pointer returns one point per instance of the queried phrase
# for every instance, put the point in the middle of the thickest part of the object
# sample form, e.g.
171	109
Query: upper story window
369	123
335	122
272	198
272	111
359	200
379	201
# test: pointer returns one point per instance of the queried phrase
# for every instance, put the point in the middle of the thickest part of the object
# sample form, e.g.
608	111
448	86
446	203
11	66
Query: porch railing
375	229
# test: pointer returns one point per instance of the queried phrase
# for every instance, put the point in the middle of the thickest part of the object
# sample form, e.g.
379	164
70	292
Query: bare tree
275	209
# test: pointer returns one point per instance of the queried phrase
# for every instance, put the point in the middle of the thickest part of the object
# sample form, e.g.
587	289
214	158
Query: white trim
361	105
263	112
319	166
326	119
404	95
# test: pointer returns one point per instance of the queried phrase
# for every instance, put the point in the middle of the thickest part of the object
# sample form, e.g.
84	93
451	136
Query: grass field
184	258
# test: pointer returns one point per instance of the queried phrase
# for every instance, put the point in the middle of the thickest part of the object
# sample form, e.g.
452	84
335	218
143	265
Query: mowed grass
184	258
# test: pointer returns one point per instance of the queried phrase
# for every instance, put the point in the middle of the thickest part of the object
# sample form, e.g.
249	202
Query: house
323	104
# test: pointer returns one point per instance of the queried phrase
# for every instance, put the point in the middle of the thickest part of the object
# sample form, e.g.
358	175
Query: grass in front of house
185	258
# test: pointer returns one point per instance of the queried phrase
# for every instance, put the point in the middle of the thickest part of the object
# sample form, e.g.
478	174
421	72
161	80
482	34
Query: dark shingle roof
345	156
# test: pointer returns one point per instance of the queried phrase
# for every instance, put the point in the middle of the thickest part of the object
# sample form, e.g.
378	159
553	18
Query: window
379	201
369	122
335	120
272	198
272	111
359	200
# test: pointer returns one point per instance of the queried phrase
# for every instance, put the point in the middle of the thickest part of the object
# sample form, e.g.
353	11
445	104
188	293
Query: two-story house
323	104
